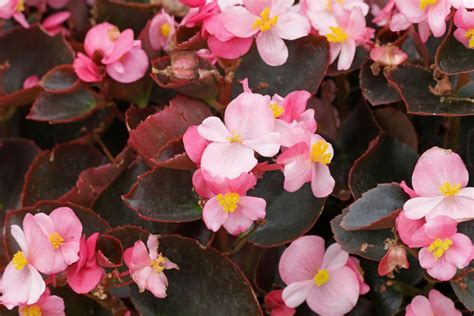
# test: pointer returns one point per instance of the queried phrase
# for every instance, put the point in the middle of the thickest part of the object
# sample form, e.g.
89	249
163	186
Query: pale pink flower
434	12
319	277
63	230
464	21
354	264
271	21
13	9
388	55
275	304
439	179
437	304
147	266
468	4
349	31
321	13
383	16
109	50
34	254
445	249
30	82
293	120
47	305
308	162
249	127
410	231
84	275
228	204
394	259
162	30
53	23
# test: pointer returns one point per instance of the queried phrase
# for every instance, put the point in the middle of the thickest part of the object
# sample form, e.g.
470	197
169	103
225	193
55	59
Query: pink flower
438	304
271	21
432	11
383	16
410	231
344	36
122	57
47	305
13	9
147	266
308	162
354	264
63	230
162	30
34	254
445	249
228	204
395	258
388	55
275	304
193	3
319	277
53	23
468	4
84	275
249	127
30	82
194	144
464	21
439	179
293	121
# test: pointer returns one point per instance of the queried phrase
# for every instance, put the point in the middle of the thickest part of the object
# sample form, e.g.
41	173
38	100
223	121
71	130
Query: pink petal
32	285
213	215
86	69
237	223
233	48
420	306
298	151
53	306
346	56
85	280
442	271
294	105
228	159
272	48
440	227
322	183
434	168
411	9
121	46
437	17
292	25
297	174
238	21
302	259
214	130
56	19
459	34
334	258
67	224
296	293
411	232
442	305
336	297
152	245
200	185
267	145
20	239
457	207
135	65
356	25
241	184
459	253
40	252
194	144
426	258
98	39
157	284
252	207
256	7
421	206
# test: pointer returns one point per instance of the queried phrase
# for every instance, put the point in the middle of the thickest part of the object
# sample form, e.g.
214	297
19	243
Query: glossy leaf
463	286
375	88
60	79
452	57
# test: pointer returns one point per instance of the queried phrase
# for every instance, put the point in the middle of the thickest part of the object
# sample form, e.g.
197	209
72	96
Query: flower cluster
225	152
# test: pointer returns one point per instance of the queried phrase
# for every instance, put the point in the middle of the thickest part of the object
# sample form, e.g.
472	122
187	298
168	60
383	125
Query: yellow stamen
228	201
56	240
321	278
20	6
235	138
19	261
264	23
449	189
33	310
276	109
425	3
158	264
470	34
318	152
165	29
439	247
338	35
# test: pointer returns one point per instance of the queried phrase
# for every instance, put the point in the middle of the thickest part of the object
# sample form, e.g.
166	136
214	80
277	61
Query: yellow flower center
20	7
33	310
337	35
19	260
449	190
158	264
235	138
439	247
470	34
425	3
228	201
165	29
264	23
56	240
276	109
318	152
321	278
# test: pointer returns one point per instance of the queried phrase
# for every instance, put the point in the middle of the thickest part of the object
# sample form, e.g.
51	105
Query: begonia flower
147	266
388	55
440	179
34	256
162	30
53	23
85	274
13	9
194	144
436	304
354	264
308	162
193	3
410	231
271	21
249	128
446	250
228	204
30	82
464	21
47	305
275	304
319	277
63	230
394	259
